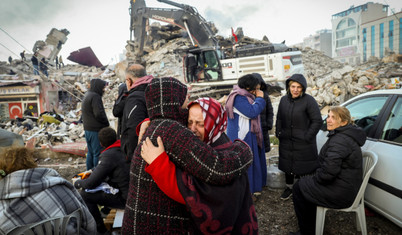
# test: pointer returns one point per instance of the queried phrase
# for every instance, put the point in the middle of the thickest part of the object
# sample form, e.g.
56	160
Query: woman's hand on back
149	152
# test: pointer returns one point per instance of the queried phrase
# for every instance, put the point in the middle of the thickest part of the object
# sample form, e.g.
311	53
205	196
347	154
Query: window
211	65
373	40
393	127
365	111
400	35
346	33
382	40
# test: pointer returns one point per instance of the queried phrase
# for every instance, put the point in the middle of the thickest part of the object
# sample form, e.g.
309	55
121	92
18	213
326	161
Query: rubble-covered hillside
329	81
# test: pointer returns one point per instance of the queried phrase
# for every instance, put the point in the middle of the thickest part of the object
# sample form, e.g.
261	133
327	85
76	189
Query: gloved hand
85	174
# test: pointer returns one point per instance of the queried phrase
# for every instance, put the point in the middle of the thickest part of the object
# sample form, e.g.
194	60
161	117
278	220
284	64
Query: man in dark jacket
191	67
135	109
35	63
94	118
118	107
112	169
297	124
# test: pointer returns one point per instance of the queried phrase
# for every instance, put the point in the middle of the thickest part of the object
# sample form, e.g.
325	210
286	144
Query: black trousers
306	211
92	200
192	74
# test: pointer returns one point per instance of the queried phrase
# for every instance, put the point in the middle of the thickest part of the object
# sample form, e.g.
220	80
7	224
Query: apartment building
364	31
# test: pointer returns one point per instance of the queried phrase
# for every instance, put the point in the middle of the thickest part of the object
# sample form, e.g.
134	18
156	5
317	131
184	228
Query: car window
365	111
393	127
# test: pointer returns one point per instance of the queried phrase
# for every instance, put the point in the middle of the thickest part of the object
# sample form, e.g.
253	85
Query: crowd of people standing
181	167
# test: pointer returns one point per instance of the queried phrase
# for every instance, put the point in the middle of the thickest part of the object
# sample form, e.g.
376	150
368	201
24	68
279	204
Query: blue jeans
36	69
94	148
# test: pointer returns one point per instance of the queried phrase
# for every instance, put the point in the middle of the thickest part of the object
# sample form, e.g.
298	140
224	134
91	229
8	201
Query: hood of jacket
97	86
263	84
299	78
164	98
353	132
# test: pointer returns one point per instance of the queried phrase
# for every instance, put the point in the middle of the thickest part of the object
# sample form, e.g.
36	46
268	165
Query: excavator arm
185	17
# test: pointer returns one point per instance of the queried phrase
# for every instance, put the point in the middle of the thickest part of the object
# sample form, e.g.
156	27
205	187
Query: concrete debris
332	83
329	81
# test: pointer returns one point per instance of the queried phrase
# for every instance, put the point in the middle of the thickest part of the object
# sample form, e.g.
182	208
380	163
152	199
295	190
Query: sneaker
105	212
255	196
286	194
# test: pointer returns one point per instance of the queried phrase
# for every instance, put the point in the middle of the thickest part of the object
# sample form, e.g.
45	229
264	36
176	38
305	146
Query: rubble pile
165	48
61	125
332	83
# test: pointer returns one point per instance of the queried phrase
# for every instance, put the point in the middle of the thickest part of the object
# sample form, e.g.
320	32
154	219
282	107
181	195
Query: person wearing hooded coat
94	119
337	180
214	209
148	210
297	123
267	115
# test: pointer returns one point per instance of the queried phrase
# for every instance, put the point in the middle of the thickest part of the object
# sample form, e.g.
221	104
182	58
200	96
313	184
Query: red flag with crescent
15	110
234	35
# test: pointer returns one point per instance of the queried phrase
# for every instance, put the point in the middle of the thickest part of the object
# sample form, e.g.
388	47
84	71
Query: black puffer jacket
338	179
93	113
267	115
112	169
135	111
118	107
297	124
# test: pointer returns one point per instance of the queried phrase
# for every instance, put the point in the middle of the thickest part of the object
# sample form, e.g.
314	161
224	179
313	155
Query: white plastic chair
369	161
55	226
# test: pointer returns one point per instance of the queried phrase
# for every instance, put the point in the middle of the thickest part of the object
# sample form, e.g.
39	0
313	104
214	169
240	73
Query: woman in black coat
297	124
267	115
336	182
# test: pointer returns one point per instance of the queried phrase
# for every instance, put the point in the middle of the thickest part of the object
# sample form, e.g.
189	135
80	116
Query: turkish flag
15	110
234	35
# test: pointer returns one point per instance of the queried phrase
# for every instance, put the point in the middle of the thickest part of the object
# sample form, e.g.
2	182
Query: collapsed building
56	119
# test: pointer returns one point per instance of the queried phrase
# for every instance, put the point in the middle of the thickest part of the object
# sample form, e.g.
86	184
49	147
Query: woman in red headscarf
214	209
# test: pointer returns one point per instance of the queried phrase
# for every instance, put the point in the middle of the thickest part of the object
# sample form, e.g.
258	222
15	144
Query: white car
379	113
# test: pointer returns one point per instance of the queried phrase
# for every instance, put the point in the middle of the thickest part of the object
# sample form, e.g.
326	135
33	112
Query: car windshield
365	111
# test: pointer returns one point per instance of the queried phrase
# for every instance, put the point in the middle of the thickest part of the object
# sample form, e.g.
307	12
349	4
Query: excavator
218	68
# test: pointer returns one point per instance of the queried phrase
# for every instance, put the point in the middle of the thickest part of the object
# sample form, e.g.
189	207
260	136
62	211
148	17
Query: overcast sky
104	24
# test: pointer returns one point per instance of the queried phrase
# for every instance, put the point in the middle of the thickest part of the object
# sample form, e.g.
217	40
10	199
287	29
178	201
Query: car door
384	191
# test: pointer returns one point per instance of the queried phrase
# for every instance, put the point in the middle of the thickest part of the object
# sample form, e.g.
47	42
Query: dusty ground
275	216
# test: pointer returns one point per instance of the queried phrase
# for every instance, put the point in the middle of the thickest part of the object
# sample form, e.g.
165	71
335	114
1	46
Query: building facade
364	31
26	98
320	41
381	37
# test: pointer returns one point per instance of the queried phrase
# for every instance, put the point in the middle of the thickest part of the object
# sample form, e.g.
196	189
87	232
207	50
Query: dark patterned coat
148	209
